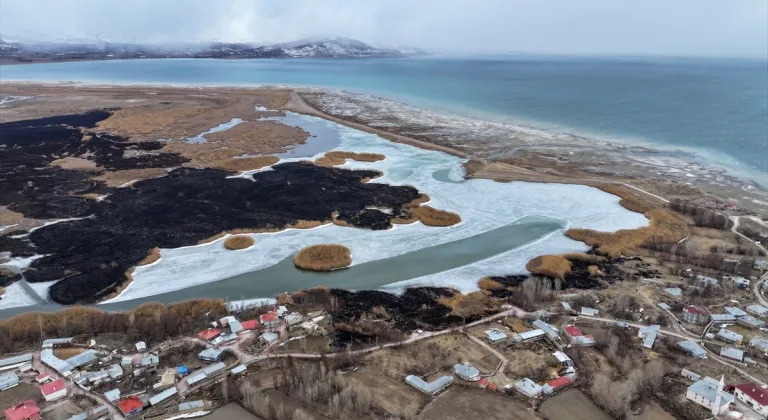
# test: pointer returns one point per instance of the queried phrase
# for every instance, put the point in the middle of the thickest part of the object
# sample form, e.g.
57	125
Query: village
532	363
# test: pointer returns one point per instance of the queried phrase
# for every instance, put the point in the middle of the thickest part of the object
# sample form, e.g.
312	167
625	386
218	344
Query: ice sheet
482	204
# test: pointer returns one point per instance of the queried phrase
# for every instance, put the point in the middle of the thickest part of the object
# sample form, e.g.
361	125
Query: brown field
572	404
664	227
152	256
67	352
474	303
486	283
523	362
9	217
149	122
118	178
19	393
391	394
360	157
247	163
462	403
652	411
329	161
580	256
434	217
74	163
323	257
238	242
555	266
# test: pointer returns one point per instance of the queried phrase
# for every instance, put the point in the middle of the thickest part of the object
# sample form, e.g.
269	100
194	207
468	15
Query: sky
575	27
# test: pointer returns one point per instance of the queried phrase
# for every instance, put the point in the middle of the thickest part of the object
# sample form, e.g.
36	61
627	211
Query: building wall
741	396
56	395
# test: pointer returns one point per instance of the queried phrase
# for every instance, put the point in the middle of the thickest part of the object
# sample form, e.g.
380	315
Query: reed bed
246	163
555	266
238	242
324	257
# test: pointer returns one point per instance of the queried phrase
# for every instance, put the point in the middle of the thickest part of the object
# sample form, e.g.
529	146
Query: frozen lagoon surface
484	205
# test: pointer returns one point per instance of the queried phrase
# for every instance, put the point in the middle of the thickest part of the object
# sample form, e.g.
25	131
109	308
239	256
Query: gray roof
8	380
53	341
722	317
158	398
224	338
550	330
113	394
48	358
193	379
664	306
730	335
649	339
81	416
191	405
589	311
429	387
211	353
238	369
760	310
732	353
149	360
16	360
216	367
760	343
692	348
81	359
115	371
466	371
495	334
674	291
707	388
737	312
269	337
751	321
235	326
528	387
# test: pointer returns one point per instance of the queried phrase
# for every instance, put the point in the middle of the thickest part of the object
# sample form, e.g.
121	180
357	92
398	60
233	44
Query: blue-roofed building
496	336
730	336
429	388
750	322
757	310
705	392
759	343
675	292
732	353
466	371
182	371
693	349
737	312
720	318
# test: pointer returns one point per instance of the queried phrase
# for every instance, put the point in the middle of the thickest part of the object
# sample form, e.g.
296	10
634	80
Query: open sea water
715	108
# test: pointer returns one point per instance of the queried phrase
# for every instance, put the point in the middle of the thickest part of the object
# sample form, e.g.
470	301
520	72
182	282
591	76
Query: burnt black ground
93	254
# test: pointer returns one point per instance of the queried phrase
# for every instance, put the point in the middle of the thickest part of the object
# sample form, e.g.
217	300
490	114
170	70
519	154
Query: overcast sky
645	27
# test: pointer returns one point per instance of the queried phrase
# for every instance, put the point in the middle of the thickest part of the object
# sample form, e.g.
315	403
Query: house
13	362
130	406
280	311
740	282
761	264
158	398
685	373
563	359
225	338
293	319
269	319
706	281
466	371
236	327
43	378
648	334
47	357
150	361
167	380
496	336
530	335
209	334
113	395
211	354
27	410
694	315
566	307
429	388
675	292
759	343
589	311
750	322
53	391
577	337
83	359
709	393
141	346
737	312
693	349
57	342
553	385
664	306
753	396
227	320
8	380
547	328
730	336
721	318
115	371
268	337
193	379
757	310
238	369
126	361
732	353
252	324
528	388
214	368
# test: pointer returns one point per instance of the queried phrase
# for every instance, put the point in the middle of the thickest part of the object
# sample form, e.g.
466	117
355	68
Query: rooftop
158	398
674	291
16	360
692	348
573	330
755	392
730	335
51	387
695	310
759	343
429	387
495	334
530	387
22	411
559	382
752	321
760	310
81	359
130	404
550	330
211	353
54	341
466	371
707	388
732	353
251	324
737	312
209	334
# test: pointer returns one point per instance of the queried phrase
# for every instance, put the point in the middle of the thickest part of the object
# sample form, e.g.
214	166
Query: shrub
323	257
238	242
486	283
594	271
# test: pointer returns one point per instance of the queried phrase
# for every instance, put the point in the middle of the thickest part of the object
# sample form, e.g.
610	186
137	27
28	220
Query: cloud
649	27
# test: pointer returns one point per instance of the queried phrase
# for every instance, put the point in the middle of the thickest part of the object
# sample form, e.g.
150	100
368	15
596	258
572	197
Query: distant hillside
307	48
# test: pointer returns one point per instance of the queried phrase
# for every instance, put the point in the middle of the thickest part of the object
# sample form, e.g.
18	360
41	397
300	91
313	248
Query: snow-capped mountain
331	47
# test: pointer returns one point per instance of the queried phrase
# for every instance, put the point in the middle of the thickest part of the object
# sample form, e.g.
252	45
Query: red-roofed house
483	383
250	324
753	396
573	331
43	378
492	387
209	334
577	337
269	319
28	410
559	382
55	390
130	406
695	315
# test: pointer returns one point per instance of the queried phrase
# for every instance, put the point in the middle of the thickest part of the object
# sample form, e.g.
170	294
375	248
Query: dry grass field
555	266
572	404
434	217
390	394
152	256
246	163
118	178
323	257
360	157
67	352
238	242
21	392
2	291
461	403
329	161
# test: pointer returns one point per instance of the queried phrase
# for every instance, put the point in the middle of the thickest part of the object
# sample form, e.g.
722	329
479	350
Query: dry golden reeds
487	283
434	217
246	163
555	266
238	242
360	157
152	256
328	162
594	271
325	257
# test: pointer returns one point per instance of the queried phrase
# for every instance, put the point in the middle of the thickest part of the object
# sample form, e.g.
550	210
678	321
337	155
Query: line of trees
702	216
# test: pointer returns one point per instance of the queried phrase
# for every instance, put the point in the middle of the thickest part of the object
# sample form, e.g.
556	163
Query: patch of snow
16	296
200	138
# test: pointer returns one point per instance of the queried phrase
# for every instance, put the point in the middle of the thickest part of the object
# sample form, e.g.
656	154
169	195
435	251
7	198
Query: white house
529	388
708	393
466	371
753	396
55	390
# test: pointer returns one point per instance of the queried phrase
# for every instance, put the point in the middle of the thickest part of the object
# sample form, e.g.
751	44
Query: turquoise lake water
718	108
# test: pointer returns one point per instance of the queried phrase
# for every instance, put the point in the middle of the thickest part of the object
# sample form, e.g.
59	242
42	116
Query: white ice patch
483	205
16	296
200	138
